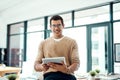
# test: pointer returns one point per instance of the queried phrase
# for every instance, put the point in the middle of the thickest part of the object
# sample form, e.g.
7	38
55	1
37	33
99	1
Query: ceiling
8	4
37	8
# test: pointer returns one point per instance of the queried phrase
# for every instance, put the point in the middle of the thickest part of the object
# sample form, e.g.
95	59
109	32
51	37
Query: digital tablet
57	60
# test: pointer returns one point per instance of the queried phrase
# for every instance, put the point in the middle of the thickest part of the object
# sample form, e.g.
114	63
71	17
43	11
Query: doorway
97	40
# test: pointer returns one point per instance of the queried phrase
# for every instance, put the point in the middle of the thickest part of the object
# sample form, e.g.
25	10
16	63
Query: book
57	60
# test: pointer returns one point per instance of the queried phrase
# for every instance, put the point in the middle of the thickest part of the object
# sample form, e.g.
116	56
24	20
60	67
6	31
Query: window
116	31
116	11
35	25
93	15
17	28
16	46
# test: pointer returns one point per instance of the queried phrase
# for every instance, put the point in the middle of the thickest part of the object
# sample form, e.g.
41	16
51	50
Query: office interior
95	25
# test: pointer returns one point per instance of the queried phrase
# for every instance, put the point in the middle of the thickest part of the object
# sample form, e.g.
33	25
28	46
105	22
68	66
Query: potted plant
97	74
97	71
92	75
12	76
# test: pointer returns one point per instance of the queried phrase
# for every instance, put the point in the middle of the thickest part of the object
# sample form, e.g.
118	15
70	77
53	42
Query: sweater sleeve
75	53
40	55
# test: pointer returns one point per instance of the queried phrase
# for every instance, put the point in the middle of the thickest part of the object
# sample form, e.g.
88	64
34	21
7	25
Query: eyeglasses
57	25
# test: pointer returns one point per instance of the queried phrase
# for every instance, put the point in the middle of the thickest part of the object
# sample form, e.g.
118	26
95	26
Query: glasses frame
56	25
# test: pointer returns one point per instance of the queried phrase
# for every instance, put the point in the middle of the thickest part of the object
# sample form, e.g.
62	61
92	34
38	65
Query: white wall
3	33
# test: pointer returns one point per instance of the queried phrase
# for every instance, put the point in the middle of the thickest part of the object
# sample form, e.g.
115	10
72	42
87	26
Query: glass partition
98	50
116	11
16	51
33	41
35	25
16	46
17	28
94	15
79	34
116	30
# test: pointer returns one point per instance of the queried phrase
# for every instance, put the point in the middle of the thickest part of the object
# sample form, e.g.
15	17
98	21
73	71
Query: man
58	46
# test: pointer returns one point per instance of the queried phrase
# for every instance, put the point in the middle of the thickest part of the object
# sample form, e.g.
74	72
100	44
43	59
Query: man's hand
59	67
44	67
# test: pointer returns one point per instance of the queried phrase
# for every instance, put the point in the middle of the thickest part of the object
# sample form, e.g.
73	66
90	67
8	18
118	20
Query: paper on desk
54	60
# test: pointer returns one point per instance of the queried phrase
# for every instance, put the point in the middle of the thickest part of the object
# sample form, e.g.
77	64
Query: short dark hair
56	17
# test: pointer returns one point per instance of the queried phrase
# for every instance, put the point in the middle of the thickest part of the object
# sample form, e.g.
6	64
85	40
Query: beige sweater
66	47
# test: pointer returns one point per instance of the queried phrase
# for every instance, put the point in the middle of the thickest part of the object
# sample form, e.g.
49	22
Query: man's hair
56	17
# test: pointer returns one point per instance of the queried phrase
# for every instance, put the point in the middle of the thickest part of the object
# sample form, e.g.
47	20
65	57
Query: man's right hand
44	67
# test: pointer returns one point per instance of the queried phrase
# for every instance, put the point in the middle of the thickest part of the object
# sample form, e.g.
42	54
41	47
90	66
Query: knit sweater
66	47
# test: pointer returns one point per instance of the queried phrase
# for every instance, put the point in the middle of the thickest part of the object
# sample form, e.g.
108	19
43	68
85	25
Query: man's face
56	27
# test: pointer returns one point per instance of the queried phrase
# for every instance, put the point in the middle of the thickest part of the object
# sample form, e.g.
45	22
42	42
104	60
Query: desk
5	70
